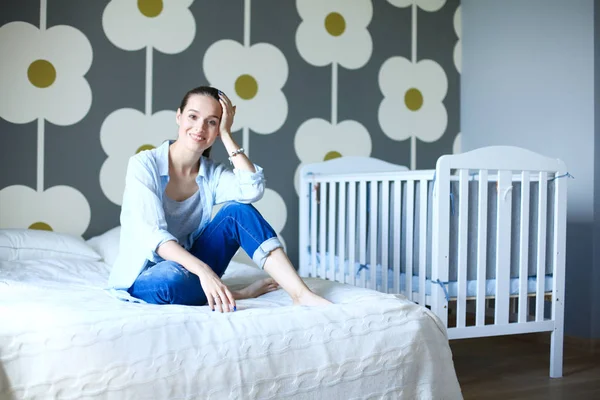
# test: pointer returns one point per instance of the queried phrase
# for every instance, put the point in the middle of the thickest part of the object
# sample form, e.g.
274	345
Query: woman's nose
199	124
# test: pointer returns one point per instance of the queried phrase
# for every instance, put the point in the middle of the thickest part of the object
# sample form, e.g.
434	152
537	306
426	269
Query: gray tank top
183	217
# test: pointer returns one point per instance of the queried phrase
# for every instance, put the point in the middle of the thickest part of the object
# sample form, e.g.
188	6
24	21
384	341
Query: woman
170	250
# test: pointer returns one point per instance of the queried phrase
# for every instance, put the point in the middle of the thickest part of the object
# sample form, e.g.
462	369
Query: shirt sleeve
142	213
238	185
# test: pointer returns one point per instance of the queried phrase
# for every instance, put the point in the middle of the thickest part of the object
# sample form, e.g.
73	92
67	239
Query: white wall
528	80
596	277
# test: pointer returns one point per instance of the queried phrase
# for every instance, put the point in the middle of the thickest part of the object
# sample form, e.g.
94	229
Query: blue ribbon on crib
451	194
567	175
443	285
362	266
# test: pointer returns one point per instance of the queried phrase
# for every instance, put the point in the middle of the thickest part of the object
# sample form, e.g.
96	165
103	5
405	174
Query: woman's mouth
196	137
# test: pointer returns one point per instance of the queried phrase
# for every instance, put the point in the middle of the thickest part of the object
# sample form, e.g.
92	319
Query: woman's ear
178	116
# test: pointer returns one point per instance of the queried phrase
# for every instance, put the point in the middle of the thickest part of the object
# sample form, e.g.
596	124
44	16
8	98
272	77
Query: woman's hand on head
218	295
227	115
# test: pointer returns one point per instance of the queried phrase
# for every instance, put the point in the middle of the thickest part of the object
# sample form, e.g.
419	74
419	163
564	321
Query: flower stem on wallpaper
413	138
334	90
148	98
40	154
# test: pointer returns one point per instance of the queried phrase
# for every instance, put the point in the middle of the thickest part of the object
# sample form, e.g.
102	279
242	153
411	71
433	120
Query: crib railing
364	222
496	214
514	168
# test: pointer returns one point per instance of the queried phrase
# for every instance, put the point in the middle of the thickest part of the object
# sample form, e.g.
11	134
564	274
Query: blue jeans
235	225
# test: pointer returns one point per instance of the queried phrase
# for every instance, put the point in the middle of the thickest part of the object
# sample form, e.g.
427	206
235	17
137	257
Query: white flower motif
412	103
59	208
166	25
43	74
124	133
426	5
457	144
458	46
318	140
335	31
252	77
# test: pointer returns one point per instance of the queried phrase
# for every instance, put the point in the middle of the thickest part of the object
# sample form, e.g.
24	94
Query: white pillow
52	271
32	244
107	244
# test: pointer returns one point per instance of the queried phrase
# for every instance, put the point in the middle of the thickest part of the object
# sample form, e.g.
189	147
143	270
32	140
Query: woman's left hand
228	114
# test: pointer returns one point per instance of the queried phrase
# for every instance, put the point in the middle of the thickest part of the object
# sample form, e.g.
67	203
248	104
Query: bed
479	240
63	336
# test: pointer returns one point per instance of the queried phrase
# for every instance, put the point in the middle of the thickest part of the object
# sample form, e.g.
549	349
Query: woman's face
199	122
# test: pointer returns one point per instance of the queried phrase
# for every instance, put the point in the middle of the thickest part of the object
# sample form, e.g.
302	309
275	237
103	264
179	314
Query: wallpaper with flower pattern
85	85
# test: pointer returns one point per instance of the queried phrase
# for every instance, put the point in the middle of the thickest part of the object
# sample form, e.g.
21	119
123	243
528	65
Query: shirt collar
162	160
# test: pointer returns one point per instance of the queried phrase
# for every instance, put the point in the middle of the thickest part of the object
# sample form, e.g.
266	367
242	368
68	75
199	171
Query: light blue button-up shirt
143	224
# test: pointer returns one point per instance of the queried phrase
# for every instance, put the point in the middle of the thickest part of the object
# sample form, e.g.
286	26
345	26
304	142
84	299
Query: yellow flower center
40	226
150	8
41	73
246	87
144	147
331	155
413	99
335	24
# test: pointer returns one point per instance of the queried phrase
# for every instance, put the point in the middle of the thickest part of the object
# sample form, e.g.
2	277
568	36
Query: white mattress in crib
62	336
364	272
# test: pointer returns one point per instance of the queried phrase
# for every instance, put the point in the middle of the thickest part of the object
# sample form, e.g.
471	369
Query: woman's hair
204	91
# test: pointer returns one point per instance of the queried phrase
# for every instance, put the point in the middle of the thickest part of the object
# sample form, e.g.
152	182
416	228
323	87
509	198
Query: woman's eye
193	117
213	122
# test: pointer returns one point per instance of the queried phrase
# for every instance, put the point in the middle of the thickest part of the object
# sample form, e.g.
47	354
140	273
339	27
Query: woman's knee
244	212
235	208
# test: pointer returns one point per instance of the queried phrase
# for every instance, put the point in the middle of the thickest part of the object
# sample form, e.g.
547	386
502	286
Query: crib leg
556	353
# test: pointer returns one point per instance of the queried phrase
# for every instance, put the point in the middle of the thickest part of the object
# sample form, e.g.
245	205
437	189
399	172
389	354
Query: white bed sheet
62	336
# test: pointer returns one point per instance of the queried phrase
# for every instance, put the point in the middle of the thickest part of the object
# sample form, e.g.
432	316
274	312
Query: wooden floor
516	367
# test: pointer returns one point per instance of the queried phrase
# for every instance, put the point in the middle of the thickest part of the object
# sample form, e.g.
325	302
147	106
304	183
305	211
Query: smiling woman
171	250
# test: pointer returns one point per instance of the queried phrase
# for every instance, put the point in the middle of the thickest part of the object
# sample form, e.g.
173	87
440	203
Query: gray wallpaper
376	78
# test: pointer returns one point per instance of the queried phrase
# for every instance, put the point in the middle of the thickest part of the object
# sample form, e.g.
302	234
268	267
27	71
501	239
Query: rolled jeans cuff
263	251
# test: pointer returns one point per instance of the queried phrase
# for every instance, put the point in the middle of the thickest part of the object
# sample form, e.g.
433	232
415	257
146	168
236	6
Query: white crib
480	239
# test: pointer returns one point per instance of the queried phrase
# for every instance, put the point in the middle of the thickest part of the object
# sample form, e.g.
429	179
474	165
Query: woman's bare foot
311	299
256	289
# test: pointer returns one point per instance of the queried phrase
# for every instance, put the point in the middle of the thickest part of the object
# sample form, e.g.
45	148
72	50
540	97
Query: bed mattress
63	336
363	274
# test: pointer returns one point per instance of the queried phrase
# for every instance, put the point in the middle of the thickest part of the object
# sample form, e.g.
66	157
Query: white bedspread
61	336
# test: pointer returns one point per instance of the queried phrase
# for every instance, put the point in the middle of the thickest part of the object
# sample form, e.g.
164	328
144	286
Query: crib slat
323	230
313	228
524	247
362	245
424	203
541	246
331	231
373	215
385	218
410	231
352	233
482	215
304	228
440	240
504	194
397	233
342	232
463	225
558	261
